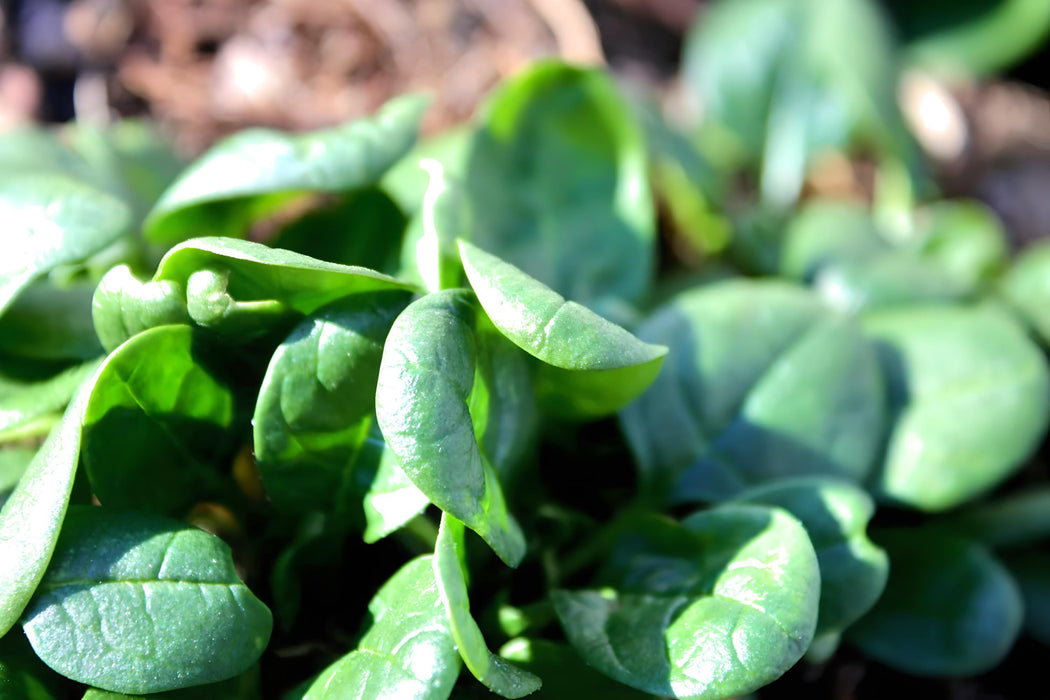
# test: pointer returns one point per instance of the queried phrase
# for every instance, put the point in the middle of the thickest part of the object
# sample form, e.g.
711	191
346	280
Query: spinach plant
340	415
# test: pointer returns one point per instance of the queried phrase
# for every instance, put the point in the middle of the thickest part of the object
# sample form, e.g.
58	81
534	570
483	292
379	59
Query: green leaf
32	516
718	606
894	279
406	182
1027	288
970	38
970	397
422	404
408	651
835	514
391	501
13	463
1012	521
591	367
789	79
564	673
22	675
763	383
1031	570
315	410
825	232
31	401
950	609
242	687
238	288
158	400
253	173
137	603
965	239
498	675
51	322
558	182
52	220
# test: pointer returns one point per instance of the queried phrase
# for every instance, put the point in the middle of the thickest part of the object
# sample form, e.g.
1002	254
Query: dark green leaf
950	609
763	383
970	396
558	181
51	322
22	675
422	404
1012	521
252	174
51	220
1031	570
716	607
835	514
564	673
591	367
158	400
137	603
315	410
494	672
408	651
32	516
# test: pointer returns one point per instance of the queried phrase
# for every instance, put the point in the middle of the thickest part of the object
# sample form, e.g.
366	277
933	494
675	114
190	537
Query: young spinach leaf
564	673
682	601
950	609
408	651
498	675
422	404
392	499
970	396
591	367
557	178
242	687
1027	288
252	174
137	603
28	402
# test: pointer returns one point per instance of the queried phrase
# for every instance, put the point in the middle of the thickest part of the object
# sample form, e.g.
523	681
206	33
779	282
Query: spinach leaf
238	288
1007	522
408	651
970	397
242	687
392	499
158	400
51	321
252	174
1031	571
313	418
52	220
558	183
1026	287
422	404
564	673
894	279
835	514
21	405
682	602
764	383
964	238
13	463
826	232
950	609
137	603
591	367
494	672
22	675
32	516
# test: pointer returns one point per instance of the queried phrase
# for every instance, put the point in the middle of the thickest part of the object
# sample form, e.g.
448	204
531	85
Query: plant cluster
335	414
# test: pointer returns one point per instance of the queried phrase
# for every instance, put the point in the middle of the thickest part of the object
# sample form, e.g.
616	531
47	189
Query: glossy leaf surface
970	396
557	177
425	382
52	220
253	173
683	602
950	609
764	382
157	424
498	675
591	367
408	651
136	603
853	570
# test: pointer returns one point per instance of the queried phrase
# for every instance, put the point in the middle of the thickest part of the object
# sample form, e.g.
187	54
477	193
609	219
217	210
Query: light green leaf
426	380
950	609
497	674
391	501
253	173
716	607
964	238
970	397
591	367
1026	287
52	220
13	463
558	182
408	651
31	401
314	415
764	382
835	514
892	280
826	232
242	687
137	603
32	516
158	401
